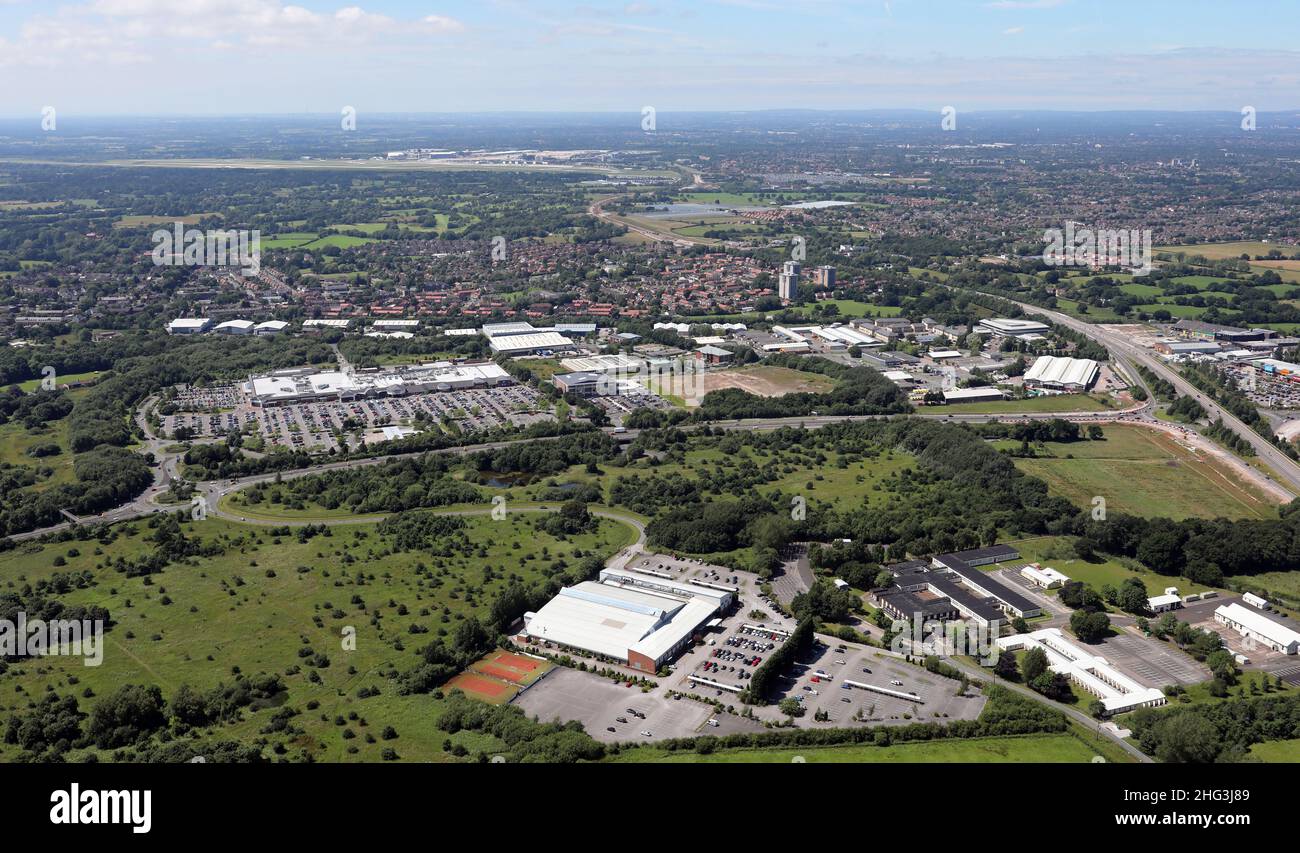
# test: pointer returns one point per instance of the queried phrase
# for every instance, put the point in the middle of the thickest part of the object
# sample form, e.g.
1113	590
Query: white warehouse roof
613	620
527	342
1062	370
1259	624
1013	327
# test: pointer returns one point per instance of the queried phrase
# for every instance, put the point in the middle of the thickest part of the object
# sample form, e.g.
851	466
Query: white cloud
1013	31
115	31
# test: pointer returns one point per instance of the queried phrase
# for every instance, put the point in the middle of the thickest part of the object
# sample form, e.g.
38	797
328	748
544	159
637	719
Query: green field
1058	553
1145	472
1221	251
256	605
852	308
16	440
995	750
32	384
1277	751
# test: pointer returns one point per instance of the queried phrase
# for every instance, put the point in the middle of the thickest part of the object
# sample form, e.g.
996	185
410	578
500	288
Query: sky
222	57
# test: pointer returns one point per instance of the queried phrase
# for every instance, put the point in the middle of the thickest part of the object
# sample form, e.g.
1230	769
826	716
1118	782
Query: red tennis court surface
484	688
501	672
516	661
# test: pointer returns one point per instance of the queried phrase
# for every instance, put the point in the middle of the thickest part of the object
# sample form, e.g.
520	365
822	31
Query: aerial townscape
797	418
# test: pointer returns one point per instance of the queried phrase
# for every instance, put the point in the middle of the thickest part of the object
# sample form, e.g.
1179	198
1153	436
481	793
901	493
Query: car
620	719
610	729
867	671
895	682
846	699
632	711
713	722
646	733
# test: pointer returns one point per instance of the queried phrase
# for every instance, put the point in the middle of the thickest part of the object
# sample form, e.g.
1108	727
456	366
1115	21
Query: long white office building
1254	625
1117	691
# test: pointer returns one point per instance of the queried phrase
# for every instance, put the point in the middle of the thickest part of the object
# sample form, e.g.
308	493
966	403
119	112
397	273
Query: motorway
1125	351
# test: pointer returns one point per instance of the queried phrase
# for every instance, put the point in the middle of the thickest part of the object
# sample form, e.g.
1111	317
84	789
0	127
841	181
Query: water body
679	210
817	205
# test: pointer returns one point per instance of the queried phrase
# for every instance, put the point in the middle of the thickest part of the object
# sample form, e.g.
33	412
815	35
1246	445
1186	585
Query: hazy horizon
268	57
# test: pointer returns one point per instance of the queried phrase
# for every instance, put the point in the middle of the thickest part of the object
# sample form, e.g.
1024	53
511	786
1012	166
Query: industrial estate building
637	618
1255	626
1116	691
306	384
189	326
1061	373
1004	328
1043	576
1170	600
950	587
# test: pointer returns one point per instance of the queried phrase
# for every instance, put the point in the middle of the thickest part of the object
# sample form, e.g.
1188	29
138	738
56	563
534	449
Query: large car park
885	690
732	658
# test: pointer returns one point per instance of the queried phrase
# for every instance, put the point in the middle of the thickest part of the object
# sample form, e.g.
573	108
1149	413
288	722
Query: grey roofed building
1012	601
991	554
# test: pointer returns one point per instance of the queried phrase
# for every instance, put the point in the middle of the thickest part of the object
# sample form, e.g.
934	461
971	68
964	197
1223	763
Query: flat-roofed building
1117	691
1255	626
1008	600
1170	600
633	618
583	383
317	324
1043	576
189	326
530	343
1006	328
494	330
986	393
305	384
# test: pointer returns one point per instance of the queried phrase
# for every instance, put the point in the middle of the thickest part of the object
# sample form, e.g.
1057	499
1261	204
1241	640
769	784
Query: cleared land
767	381
1146	472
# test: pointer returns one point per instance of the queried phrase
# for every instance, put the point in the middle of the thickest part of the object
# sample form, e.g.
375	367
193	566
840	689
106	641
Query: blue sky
105	57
